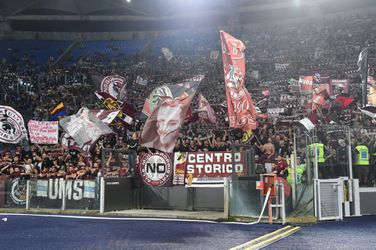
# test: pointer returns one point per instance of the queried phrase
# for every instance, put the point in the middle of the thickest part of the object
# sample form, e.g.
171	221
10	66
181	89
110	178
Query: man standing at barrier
362	163
341	168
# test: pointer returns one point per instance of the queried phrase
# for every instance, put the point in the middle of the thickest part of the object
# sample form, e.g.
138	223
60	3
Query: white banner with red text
43	132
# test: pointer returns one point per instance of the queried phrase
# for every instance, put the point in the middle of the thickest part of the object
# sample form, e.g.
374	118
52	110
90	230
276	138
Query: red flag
305	83
205	111
344	101
240	107
162	127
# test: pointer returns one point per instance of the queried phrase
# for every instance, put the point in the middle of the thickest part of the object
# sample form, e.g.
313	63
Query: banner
113	85
205	111
84	127
156	169
79	194
306	84
16	189
210	168
281	66
240	107
162	127
75	189
12	125
180	165
275	112
338	87
42	132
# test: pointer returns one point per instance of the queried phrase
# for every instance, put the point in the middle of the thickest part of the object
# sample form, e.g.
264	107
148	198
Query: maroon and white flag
113	85
127	111
162	127
205	111
43	132
12	125
240	106
106	116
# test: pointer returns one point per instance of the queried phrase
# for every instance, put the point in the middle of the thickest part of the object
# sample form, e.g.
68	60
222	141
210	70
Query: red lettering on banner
43	132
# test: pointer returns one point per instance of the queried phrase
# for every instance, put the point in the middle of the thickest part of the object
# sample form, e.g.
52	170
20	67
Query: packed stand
304	47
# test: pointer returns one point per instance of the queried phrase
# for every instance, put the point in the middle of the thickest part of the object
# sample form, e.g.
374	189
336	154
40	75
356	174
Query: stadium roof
119	15
118	7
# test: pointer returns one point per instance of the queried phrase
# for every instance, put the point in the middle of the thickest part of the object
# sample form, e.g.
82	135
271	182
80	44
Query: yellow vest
362	158
320	152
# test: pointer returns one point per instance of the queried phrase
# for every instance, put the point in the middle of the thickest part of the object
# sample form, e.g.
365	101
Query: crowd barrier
235	194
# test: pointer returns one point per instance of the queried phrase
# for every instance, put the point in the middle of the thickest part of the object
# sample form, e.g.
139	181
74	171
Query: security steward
361	163
324	172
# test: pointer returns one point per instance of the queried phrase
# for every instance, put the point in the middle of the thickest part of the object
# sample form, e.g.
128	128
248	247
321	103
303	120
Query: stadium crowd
327	46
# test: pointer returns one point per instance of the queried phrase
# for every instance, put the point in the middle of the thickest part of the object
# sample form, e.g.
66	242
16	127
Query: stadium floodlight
128	1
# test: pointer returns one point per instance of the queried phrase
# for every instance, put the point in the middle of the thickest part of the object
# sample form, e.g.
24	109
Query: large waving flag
106	116
173	91
127	111
205	111
240	106
84	127
162	127
57	111
113	85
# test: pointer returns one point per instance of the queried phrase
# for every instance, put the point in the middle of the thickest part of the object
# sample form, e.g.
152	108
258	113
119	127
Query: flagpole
365	78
